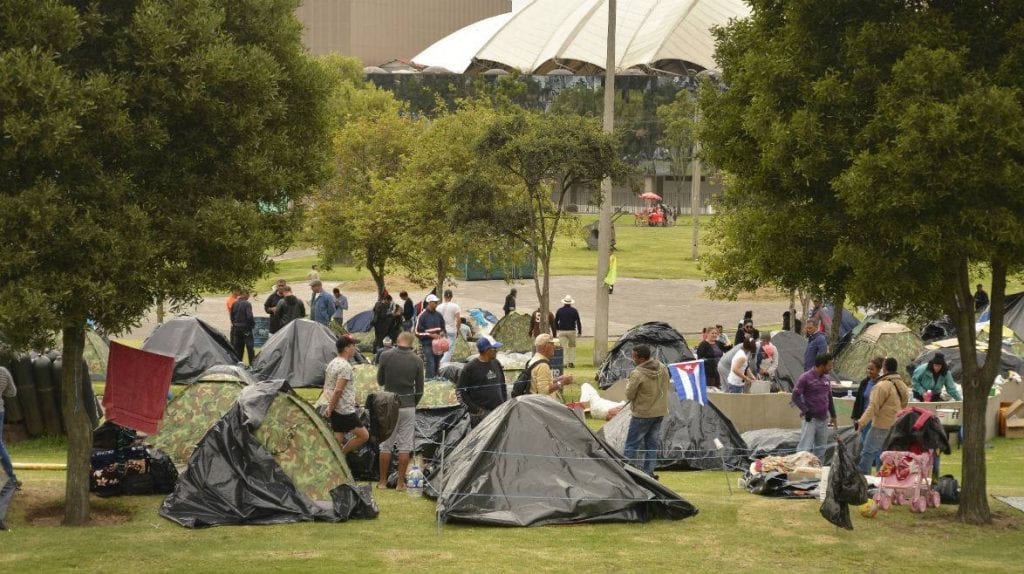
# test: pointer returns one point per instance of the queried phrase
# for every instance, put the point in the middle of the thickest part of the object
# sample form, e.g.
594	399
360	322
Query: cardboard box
1015	420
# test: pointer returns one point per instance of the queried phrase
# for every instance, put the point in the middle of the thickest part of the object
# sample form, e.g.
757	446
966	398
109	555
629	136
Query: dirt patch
52	514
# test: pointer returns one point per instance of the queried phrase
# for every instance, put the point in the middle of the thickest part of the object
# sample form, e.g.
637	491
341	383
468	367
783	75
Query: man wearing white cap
567	322
430	326
482	382
541	380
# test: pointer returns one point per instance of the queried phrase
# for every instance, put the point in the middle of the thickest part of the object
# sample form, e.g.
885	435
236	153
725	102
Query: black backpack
522	384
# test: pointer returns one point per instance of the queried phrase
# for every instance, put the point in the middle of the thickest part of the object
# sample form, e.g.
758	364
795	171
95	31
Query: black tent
533	462
299	353
791	347
687	437
195	344
938	330
232	479
667	345
1009	361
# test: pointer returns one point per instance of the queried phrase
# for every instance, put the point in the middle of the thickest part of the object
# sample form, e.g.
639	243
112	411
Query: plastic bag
354	503
846	485
948	489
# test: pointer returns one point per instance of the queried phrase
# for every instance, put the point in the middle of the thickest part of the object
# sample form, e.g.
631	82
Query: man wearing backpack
542	382
647	389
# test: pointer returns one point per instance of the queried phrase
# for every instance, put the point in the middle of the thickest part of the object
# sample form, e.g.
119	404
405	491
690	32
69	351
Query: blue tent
849	321
360	322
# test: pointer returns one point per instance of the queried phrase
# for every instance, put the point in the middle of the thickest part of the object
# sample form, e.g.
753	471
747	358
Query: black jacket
859	404
482	385
289	309
241	316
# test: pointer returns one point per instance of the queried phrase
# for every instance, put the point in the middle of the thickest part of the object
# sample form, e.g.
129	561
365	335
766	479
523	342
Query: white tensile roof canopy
551	34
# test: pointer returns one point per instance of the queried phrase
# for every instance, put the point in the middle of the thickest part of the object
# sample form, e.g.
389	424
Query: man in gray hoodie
7	389
400	371
647	389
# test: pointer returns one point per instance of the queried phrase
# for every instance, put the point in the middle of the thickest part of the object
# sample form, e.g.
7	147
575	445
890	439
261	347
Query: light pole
604	226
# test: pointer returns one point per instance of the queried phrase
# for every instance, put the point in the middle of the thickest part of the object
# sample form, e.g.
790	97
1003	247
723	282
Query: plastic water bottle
414	477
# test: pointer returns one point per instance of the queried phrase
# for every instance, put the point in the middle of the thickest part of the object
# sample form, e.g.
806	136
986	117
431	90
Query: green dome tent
878	340
513	331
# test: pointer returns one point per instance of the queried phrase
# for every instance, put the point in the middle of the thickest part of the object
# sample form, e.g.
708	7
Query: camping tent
189	415
849	321
1013	316
195	345
264	462
791	347
360	322
533	462
687	437
781	442
299	353
481	320
879	340
1009	361
513	331
937	330
667	345
96	352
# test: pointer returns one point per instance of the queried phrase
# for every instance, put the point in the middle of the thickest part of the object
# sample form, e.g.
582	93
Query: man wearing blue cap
482	382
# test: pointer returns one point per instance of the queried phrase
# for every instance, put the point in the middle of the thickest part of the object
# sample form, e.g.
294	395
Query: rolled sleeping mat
12	405
42	371
57	371
25	381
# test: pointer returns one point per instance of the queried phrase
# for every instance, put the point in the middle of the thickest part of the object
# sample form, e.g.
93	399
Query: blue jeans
733	388
5	459
814	437
871	449
430	360
643	437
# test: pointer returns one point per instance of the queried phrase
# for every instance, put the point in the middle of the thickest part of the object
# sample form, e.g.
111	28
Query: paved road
680	302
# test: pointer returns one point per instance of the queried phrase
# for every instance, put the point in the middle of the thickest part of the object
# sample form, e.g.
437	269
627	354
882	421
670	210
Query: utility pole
604	228
695	197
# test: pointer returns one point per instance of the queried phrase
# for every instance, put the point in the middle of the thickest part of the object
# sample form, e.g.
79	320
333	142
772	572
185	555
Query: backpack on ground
382	407
522	384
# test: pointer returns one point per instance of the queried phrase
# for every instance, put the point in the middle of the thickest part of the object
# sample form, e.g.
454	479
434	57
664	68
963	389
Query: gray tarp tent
667	345
533	462
299	353
195	345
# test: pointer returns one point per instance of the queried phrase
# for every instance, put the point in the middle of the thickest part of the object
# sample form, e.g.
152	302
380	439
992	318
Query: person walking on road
568	325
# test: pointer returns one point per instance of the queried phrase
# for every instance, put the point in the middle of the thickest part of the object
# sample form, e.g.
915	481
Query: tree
358	214
546	154
455	195
147	152
945	151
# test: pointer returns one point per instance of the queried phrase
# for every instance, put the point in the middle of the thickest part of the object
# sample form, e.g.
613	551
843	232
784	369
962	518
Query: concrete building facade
378	31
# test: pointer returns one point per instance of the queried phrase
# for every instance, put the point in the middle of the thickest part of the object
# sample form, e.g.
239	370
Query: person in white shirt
452	318
739	371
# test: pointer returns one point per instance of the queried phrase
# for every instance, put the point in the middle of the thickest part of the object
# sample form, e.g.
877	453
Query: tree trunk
79	429
977	383
836	331
377	273
440	274
160	311
792	311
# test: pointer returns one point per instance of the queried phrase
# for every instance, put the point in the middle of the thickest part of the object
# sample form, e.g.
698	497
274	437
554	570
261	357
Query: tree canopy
149	150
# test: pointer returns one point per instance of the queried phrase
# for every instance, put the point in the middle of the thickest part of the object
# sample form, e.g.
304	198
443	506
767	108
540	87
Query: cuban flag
690	381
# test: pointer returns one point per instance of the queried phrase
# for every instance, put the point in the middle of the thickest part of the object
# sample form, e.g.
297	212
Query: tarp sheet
1013	313
533	462
1009	361
791	347
195	345
687	437
667	345
232	479
299	353
769	442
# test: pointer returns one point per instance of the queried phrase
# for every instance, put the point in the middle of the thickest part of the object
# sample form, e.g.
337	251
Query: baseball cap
486	343
432	298
544	339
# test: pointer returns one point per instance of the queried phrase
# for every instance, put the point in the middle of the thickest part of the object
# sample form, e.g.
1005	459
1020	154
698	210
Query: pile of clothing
792	476
123	464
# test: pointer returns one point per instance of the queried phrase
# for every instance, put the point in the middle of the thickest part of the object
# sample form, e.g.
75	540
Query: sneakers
17	484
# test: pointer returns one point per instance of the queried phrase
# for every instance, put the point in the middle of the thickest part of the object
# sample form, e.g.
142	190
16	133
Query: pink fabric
136	389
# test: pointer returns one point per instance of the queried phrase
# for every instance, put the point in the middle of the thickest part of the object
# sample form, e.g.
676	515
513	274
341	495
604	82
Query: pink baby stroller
904	477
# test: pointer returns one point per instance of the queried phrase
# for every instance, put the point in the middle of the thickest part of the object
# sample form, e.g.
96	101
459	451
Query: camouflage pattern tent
463	349
881	339
437	393
299	439
513	331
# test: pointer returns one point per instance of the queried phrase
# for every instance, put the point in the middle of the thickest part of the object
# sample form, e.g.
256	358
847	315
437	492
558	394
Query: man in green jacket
647	390
934	376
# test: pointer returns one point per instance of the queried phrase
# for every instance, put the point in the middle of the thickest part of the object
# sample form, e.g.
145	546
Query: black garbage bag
364	461
846	485
354	502
440	429
163	471
778	484
948	489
